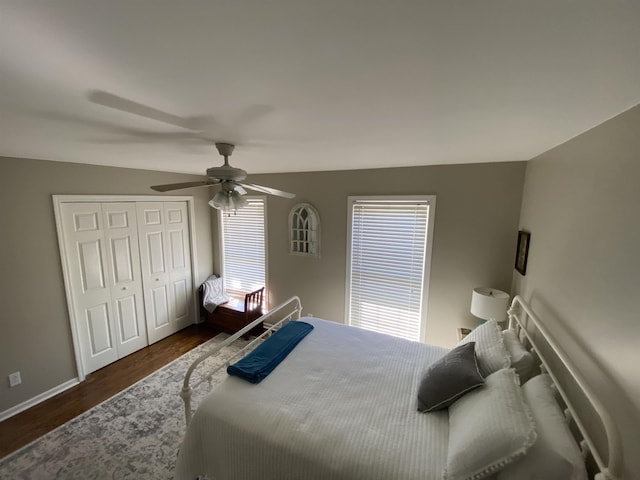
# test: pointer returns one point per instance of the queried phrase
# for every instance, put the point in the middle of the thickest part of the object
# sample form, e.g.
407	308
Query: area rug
134	434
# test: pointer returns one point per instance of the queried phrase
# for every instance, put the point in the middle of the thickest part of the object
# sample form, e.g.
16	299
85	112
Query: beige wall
36	336
476	220
581	202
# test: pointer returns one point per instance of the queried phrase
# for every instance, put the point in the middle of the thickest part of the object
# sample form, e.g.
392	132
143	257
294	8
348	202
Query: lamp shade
489	303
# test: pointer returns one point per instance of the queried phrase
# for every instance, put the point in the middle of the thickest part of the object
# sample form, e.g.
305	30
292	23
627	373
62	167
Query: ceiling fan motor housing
227	172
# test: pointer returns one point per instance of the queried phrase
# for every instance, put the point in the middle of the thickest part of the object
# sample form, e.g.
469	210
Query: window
243	247
389	252
304	230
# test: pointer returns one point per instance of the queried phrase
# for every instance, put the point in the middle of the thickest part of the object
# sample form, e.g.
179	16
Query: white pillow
555	455
489	428
492	356
521	359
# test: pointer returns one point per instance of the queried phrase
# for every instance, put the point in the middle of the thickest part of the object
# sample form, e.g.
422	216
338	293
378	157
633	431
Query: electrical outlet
15	379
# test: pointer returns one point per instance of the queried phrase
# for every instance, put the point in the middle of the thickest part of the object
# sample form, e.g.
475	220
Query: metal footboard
291	309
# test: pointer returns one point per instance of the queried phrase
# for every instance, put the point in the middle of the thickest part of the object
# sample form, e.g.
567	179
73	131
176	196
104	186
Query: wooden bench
237	313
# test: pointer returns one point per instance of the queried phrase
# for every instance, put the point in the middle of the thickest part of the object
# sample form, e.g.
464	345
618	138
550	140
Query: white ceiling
328	84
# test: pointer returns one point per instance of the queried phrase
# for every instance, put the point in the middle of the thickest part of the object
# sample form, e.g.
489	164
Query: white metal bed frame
521	317
288	310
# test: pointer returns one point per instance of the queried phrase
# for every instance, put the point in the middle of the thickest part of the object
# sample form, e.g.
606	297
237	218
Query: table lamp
489	303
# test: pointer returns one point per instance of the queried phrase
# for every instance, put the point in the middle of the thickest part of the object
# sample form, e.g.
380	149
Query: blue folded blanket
268	355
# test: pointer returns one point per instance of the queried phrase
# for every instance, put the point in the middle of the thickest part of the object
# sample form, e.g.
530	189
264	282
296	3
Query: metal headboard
520	318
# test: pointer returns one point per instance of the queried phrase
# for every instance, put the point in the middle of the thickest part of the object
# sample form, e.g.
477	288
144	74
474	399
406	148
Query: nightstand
463	332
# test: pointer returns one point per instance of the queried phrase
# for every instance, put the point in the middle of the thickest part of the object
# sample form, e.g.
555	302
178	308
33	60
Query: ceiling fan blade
118	103
250	115
240	189
179	186
141	136
269	190
125	135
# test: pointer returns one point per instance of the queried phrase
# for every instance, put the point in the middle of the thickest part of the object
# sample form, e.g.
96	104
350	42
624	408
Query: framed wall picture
522	251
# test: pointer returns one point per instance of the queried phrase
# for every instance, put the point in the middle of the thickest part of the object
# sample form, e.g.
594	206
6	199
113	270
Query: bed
344	404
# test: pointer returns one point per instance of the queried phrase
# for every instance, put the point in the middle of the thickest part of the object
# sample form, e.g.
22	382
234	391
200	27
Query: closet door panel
122	260
86	253
125	276
177	250
158	297
128	319
155	251
98	324
160	307
181	299
91	267
179	262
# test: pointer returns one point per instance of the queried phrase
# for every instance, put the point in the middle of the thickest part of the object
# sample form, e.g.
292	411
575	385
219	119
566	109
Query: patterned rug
134	434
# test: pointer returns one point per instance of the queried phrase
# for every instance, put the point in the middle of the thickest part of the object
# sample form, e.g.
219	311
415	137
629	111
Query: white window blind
243	247
388	242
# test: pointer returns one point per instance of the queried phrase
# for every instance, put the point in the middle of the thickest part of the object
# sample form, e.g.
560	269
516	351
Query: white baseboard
38	398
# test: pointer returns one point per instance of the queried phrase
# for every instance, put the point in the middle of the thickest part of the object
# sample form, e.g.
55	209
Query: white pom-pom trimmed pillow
555	455
521	359
492	356
489	428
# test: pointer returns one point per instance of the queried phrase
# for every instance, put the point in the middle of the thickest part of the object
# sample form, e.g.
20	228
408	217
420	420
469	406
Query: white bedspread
342	405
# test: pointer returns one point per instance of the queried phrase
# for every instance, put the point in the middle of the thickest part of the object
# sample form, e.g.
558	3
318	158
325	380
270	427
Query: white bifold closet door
165	257
101	244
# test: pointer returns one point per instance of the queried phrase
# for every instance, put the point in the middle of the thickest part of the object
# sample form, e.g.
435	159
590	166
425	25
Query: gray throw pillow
449	378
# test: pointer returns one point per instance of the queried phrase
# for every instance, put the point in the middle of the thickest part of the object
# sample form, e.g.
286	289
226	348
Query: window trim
428	199
220	214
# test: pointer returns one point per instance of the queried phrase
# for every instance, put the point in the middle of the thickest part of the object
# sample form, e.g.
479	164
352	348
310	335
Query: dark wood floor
19	430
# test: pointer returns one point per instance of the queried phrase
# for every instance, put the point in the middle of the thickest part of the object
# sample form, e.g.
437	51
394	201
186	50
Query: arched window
304	230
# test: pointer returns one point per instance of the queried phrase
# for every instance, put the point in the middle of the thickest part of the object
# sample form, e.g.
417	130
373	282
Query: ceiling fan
229	198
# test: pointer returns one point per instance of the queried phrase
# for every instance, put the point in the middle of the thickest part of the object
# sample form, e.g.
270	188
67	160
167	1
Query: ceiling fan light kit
228	202
229	198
